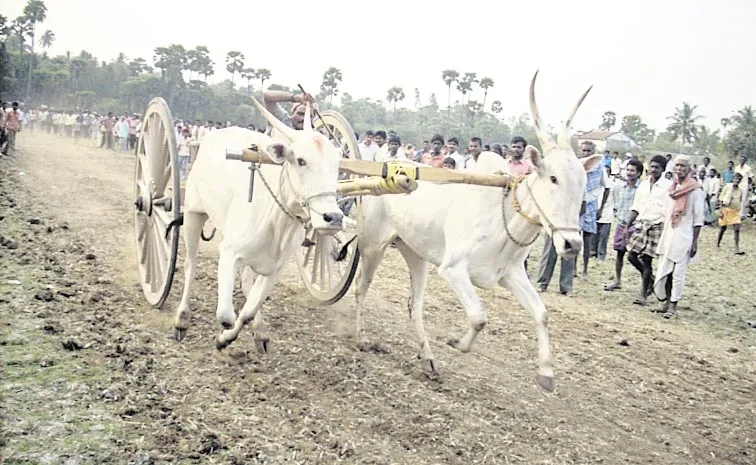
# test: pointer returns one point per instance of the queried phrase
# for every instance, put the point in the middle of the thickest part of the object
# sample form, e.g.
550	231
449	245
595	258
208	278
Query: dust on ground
92	375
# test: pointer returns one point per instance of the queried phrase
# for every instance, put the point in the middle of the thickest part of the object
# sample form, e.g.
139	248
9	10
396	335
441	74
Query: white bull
260	235
480	236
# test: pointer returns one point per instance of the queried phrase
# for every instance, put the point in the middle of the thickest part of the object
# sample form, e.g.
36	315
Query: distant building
609	140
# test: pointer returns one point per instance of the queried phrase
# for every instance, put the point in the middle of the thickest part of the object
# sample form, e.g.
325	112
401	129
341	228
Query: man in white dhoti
678	245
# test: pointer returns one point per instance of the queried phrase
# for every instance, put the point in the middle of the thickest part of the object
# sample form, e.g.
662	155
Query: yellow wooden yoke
375	185
396	178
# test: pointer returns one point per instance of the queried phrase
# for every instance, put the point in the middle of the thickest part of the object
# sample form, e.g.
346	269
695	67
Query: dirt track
91	375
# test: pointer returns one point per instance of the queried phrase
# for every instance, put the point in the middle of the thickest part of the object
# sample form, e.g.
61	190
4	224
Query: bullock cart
327	264
158	209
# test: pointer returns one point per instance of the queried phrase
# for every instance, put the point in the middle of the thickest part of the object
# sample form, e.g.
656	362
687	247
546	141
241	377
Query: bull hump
319	143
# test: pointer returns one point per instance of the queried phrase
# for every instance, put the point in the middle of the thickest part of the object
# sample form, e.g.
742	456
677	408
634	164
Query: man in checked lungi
647	218
594	198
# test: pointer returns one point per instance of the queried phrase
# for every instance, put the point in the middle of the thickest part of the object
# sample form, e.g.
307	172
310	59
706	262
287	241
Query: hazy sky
643	57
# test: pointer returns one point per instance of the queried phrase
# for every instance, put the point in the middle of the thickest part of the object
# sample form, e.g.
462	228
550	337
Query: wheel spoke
148	256
329	261
307	255
141	221
161	248
161	157
316	260
323	245
154	262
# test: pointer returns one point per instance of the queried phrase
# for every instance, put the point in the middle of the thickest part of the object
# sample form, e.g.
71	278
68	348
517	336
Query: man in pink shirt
518	164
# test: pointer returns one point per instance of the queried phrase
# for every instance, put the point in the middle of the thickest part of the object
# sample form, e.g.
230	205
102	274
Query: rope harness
304	202
517	207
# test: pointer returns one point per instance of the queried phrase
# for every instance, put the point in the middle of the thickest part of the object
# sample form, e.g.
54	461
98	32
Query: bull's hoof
429	368
179	333
373	347
547	383
227	325
262	345
221	345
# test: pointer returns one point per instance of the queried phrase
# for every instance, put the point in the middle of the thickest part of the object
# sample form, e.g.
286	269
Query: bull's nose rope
275	197
516	206
304	203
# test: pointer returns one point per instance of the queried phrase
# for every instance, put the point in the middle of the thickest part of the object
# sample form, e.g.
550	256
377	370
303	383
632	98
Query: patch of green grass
52	410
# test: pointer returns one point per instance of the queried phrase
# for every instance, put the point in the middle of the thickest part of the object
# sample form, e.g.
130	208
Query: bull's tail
208	239
180	222
343	252
175	223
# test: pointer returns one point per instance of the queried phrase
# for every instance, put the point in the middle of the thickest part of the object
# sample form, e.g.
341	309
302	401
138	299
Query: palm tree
465	85
263	75
20	28
706	141
683	123
249	74
35	12
47	39
485	84
330	85
741	139
395	94
745	117
608	120
449	76
5	29
496	107
202	65
474	108
139	66
192	63
76	66
234	64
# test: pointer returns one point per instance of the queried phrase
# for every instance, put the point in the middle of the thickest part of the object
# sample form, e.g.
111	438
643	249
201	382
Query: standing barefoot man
624	196
594	198
732	210
678	245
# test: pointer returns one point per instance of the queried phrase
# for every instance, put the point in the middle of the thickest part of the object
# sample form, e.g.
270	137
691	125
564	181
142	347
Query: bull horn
564	134
547	142
277	124
307	118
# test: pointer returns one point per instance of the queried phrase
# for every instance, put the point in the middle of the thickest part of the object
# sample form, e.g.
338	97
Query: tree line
180	75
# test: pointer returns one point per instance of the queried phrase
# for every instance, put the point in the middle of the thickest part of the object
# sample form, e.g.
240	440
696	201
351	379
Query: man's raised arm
271	99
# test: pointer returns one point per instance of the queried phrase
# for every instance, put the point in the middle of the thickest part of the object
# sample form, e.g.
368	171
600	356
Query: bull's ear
590	162
534	155
277	152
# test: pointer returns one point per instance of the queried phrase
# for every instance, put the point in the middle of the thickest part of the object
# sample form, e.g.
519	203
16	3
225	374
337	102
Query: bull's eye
553	179
301	162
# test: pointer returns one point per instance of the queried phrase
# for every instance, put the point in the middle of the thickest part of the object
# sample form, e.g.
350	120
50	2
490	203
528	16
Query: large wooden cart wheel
158	202
328	264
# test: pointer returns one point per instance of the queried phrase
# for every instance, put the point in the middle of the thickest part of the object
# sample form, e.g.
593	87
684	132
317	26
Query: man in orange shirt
436	156
12	122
